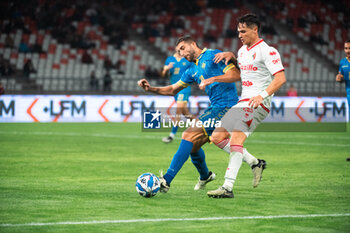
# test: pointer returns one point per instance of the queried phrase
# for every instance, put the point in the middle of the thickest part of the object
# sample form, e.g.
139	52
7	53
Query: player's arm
232	75
166	90
228	56
277	83
339	77
166	68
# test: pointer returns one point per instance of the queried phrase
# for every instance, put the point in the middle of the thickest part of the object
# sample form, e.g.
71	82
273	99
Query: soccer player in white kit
262	74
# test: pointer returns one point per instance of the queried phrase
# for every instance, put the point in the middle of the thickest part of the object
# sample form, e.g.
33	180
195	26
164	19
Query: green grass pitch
80	173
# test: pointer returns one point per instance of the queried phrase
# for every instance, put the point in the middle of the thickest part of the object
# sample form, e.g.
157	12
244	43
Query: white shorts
244	118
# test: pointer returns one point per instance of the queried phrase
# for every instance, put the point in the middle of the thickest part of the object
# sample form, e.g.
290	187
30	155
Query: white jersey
258	64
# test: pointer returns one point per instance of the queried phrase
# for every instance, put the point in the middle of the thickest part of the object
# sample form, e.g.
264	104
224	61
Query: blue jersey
344	69
220	94
179	67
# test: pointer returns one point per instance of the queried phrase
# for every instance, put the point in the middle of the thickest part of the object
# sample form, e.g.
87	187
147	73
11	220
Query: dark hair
187	39
348	41
250	19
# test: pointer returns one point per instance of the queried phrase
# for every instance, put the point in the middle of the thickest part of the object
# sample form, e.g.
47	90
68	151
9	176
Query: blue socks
198	160
174	130
179	159
181	156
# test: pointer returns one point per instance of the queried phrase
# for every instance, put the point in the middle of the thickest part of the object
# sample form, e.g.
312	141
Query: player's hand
143	83
255	101
339	77
168	67
205	83
224	55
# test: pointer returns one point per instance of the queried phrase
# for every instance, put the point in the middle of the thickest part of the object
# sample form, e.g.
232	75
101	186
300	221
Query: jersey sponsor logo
276	61
247	83
273	53
249	67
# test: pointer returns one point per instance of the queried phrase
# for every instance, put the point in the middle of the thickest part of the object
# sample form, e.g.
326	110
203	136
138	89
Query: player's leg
181	99
222	141
236	121
174	129
222	137
224	144
257	165
236	158
191	138
199	138
205	176
181	109
235	162
197	155
348	97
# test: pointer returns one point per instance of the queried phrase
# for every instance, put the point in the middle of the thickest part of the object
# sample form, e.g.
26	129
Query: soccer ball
147	185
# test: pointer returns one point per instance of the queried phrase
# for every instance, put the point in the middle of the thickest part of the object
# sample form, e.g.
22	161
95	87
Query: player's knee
218	135
238	138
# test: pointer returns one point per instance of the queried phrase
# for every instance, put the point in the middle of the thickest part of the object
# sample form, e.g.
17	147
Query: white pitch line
74	134
176	220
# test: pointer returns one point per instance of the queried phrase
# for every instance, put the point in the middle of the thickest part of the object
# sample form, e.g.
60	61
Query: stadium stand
321	23
67	41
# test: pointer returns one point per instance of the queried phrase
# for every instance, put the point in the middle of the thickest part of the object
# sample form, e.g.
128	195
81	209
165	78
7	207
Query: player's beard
190	57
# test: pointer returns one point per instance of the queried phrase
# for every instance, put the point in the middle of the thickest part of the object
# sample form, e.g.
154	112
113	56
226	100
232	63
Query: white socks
237	155
247	157
234	164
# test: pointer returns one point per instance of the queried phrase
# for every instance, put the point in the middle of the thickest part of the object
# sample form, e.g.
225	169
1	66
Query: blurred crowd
62	19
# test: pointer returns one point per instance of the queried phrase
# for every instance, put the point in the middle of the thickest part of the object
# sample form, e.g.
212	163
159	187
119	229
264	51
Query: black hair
250	20
187	39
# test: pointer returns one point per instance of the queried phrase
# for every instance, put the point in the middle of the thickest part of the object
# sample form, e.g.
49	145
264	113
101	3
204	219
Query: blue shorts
183	95
213	113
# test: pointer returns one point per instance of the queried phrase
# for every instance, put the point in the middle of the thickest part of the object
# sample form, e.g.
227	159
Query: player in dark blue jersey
344	71
222	95
176	66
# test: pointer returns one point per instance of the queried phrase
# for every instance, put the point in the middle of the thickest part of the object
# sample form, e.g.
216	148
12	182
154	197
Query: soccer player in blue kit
222	95
344	71
176	66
